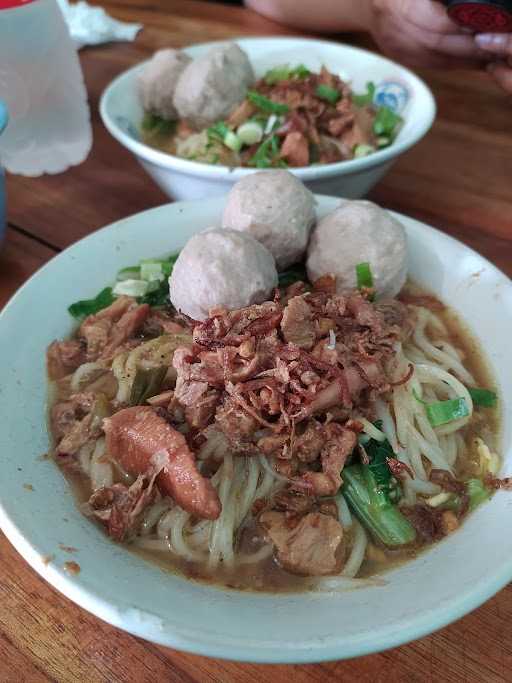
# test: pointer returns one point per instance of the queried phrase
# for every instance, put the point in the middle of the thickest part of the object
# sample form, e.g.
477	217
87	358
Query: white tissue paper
93	26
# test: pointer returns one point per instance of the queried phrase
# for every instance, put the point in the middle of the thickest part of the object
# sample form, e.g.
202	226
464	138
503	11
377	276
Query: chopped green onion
250	132
266	153
363	151
217	132
265	104
364	275
386	122
284	72
129	273
133	288
325	92
232	141
151	271
477	493
483	397
156	125
86	307
383	141
442	412
366	99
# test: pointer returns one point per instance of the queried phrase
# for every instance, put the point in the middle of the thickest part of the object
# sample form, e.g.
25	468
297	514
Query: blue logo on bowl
393	95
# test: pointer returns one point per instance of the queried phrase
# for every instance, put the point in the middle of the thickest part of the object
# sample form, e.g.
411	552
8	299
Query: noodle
356	557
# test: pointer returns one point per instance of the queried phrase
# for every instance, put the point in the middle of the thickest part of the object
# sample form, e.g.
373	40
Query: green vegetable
363	151
129	273
156	125
86	307
265	104
294	274
386	122
364	275
266	154
135	288
147	383
284	72
483	397
442	412
232	141
217	132
371	504
325	92
250	132
151	271
383	141
366	99
477	492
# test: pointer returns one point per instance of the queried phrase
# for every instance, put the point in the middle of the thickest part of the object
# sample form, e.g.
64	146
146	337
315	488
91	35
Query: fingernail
491	40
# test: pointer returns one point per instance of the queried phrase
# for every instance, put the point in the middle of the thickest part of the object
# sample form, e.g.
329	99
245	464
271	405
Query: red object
9	4
482	17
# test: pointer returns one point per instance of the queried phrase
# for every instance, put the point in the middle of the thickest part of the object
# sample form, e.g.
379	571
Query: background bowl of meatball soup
386	84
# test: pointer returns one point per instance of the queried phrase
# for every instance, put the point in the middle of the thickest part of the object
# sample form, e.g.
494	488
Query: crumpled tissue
93	26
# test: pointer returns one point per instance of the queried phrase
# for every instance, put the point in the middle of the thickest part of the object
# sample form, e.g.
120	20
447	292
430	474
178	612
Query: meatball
213	84
359	231
157	82
276	209
221	268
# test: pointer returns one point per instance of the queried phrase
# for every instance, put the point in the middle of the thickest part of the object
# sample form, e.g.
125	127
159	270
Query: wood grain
458	178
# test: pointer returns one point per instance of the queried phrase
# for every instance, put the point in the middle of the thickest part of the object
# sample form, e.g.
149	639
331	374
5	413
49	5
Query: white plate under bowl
449	580
122	113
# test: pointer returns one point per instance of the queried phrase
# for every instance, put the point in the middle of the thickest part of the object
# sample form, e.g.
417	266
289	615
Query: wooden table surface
458	179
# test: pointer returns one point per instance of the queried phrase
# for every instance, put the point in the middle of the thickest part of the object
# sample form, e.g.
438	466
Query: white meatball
157	82
276	209
213	84
356	232
221	268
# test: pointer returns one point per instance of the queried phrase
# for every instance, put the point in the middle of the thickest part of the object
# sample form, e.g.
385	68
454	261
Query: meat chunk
63	358
309	444
200	414
297	324
139	439
295	149
237	425
311	548
105	331
77	421
340	442
120	507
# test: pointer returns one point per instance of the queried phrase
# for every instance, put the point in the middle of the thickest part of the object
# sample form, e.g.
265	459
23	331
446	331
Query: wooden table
458	179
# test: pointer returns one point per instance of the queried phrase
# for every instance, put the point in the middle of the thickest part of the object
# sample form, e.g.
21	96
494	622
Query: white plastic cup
42	84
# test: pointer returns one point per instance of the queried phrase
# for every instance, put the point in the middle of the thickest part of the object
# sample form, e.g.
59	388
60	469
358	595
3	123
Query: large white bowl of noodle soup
442	584
179	178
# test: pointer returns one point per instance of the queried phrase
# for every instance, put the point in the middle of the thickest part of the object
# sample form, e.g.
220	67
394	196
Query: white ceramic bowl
444	583
183	179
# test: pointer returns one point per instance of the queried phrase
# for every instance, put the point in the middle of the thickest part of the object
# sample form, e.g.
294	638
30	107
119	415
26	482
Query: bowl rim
205	643
305	173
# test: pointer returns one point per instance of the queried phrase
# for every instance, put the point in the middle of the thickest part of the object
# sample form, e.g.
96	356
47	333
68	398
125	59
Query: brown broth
267	575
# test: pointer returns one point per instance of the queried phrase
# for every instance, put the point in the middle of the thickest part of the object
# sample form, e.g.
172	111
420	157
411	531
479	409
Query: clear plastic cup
42	84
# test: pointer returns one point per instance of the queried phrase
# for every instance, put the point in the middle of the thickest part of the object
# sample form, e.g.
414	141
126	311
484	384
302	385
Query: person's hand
420	33
499	44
